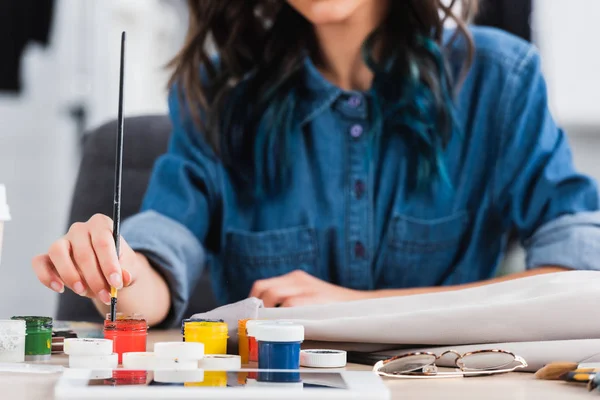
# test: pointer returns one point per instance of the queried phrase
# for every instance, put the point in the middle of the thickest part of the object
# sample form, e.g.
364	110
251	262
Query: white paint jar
12	341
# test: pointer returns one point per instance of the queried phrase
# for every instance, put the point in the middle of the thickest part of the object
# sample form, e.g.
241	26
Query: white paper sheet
554	310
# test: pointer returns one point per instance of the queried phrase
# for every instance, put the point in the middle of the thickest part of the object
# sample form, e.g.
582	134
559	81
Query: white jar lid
4	209
101	373
185	351
94	362
184	376
220	362
252	324
12	327
88	347
323	358
171	364
279	331
141	361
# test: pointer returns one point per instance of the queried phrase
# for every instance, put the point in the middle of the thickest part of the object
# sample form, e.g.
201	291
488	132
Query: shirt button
359	189
355	101
359	250
356	131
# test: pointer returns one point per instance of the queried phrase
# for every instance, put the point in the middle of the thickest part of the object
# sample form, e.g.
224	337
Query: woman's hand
298	288
85	260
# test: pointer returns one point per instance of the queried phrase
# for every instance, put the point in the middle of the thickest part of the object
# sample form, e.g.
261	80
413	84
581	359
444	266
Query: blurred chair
145	139
513	16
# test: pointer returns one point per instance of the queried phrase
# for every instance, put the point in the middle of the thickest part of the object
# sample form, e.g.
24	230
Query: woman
338	150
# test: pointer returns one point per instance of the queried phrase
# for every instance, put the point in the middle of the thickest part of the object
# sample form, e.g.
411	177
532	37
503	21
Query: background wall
566	32
39	137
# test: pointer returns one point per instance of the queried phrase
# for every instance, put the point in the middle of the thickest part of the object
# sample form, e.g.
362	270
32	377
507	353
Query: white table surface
517	386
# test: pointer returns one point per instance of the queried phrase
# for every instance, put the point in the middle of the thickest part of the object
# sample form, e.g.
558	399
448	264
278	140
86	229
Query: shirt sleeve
537	189
174	219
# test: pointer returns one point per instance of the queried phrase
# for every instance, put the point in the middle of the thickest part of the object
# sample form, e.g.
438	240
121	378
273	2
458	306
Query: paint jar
213	334
185	321
128	333
252	344
243	345
12	341
38	343
279	349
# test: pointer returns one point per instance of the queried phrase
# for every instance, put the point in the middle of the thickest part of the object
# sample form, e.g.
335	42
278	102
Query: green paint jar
38	342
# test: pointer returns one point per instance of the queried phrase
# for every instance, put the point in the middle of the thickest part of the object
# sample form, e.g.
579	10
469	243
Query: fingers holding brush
113	268
106	253
60	256
85	261
46	273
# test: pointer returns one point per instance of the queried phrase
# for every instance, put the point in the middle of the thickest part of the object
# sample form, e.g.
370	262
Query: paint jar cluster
200	359
273	345
126	334
26	338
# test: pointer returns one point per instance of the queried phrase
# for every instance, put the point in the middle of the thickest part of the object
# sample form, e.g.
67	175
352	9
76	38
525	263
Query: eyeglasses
422	365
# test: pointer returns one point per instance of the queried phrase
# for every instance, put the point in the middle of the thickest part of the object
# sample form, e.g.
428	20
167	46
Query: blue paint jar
279	349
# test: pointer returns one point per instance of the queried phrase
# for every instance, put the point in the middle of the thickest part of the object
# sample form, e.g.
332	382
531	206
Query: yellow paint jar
213	334
243	345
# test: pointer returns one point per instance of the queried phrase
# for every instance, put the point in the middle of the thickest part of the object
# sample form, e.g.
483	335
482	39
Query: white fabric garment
550	308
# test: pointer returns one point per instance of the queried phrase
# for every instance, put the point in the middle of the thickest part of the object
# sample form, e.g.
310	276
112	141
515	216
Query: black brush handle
118	173
119	155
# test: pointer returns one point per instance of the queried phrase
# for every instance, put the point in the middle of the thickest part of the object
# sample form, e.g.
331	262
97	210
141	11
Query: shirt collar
317	95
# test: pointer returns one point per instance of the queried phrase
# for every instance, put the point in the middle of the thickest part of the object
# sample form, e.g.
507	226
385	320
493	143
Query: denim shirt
351	220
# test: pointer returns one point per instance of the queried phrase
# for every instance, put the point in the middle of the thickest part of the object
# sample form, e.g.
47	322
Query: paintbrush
593	382
555	371
580	375
118	177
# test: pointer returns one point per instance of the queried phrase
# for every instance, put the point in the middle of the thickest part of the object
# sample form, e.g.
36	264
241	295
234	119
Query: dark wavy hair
246	97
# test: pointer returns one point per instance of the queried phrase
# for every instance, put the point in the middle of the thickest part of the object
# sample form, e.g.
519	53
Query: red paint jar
252	343
128	334
253	349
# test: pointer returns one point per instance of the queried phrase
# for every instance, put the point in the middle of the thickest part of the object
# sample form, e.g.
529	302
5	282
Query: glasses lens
487	360
406	364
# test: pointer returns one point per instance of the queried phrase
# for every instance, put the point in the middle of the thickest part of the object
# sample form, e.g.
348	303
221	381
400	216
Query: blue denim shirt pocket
251	256
416	246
